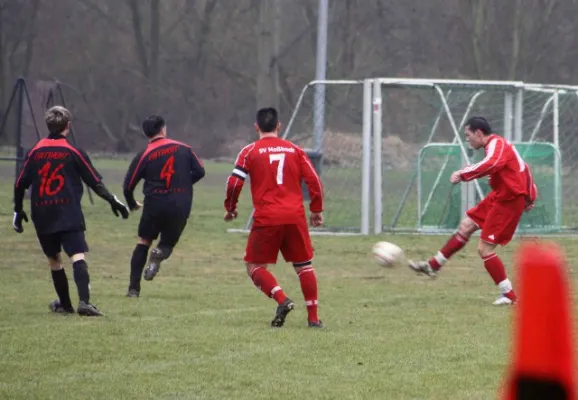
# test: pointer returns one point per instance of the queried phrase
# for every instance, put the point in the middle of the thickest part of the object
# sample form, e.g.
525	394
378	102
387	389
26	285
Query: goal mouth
385	147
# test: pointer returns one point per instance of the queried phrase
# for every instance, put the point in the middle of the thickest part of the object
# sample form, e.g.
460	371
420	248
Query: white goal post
389	146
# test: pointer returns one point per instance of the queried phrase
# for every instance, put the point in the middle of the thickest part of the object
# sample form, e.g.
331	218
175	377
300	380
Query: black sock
82	280
61	286
137	263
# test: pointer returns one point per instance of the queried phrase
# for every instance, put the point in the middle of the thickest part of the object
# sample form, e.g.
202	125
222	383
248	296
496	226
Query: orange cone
543	360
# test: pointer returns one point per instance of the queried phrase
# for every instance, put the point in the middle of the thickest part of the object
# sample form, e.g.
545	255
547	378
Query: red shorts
498	220
265	242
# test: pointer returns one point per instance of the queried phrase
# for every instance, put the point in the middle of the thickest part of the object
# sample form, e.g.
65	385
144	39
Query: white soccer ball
387	254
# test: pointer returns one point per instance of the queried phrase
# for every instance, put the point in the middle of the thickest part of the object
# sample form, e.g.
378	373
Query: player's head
58	120
267	121
154	126
477	131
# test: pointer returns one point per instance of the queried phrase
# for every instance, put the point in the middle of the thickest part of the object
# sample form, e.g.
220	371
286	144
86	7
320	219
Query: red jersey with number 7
276	168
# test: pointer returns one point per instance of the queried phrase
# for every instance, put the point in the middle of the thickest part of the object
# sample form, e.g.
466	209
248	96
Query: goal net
385	149
330	130
440	204
526	115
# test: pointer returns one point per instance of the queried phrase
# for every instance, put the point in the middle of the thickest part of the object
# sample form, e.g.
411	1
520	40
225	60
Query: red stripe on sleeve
151	147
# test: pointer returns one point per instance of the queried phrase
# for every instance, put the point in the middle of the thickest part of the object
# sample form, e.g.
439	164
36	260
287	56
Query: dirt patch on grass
345	149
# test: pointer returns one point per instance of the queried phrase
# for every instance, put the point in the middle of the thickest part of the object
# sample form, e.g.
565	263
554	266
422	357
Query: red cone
543	360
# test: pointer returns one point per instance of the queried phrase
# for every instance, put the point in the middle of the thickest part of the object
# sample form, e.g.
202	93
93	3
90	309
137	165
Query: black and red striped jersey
54	170
169	169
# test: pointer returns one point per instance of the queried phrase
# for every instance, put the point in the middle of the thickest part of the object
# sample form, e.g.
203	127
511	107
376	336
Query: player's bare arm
316	219
230	215
456	177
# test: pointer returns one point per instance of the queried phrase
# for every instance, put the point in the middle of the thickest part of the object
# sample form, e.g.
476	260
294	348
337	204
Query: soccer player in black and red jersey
55	170
169	169
277	168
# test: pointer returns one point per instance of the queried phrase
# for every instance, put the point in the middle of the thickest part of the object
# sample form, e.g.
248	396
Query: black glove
17	221
118	207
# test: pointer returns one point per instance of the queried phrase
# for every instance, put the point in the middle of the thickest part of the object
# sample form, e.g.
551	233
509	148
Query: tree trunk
154	42
139	37
515	56
3	94
479	21
30	38
266	85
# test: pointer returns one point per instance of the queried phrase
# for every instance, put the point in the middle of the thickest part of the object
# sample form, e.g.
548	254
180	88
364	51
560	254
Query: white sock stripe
254	270
489	257
275	290
309	303
505	286
461	238
440	258
304	271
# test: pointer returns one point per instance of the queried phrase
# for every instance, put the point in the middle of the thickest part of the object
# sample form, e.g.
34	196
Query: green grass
201	330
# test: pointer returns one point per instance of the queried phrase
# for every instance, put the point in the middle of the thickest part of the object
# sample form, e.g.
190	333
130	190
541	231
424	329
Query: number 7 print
281	159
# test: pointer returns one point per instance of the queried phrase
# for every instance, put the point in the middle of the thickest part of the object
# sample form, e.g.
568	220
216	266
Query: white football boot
422	267
503	301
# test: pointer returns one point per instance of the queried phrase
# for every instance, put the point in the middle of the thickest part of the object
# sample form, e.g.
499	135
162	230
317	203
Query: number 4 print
168	171
281	159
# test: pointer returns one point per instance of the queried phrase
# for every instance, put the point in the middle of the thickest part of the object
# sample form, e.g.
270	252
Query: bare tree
268	72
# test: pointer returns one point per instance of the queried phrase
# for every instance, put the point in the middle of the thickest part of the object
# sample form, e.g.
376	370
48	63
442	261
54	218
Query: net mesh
412	118
341	144
442	203
415	178
539	120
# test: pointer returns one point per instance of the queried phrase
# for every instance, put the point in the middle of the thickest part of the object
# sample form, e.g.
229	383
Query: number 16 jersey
276	168
54	170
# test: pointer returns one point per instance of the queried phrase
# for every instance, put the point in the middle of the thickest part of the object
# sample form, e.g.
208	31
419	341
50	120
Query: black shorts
72	242
169	227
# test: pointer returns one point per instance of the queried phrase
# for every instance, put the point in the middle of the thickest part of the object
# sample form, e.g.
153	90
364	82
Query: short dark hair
267	119
480	123
153	125
57	119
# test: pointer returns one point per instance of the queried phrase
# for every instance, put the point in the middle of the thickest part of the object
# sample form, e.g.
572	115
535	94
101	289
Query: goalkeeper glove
17	221
118	207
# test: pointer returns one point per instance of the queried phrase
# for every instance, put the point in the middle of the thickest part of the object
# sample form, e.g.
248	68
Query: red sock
265	281
455	244
309	288
496	269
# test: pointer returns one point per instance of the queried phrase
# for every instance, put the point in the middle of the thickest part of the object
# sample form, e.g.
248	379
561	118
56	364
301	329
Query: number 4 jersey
276	168
54	170
169	169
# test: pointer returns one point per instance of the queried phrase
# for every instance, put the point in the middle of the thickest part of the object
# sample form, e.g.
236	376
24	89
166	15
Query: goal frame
372	196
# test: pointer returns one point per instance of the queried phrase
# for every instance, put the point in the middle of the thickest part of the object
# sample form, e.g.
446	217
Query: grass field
201	330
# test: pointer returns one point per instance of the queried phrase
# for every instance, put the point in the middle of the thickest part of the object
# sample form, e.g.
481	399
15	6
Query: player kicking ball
498	214
276	168
169	169
55	170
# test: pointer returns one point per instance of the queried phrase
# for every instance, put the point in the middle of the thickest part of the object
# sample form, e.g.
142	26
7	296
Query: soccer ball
387	254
